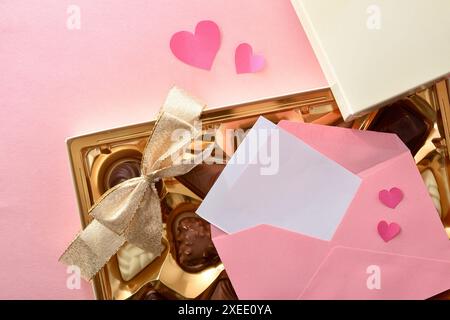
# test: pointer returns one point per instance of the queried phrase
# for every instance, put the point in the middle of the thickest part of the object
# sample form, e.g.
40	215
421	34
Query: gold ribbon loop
131	210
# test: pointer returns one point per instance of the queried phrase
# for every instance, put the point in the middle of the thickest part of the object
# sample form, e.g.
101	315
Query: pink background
116	70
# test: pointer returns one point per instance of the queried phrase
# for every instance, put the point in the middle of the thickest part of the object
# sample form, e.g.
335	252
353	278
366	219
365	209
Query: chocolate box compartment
99	159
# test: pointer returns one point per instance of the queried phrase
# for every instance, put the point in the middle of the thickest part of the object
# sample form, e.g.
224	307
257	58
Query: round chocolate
195	250
122	171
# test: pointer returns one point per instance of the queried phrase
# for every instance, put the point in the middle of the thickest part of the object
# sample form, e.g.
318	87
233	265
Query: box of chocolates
189	266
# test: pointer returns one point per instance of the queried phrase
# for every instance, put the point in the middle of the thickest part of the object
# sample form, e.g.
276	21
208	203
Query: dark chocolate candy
401	118
123	171
221	289
149	292
195	250
201	179
152	294
165	209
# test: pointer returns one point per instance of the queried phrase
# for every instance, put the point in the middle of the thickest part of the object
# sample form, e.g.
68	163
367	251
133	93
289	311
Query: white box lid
376	51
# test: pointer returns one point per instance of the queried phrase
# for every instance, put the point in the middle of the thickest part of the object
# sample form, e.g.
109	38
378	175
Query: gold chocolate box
101	160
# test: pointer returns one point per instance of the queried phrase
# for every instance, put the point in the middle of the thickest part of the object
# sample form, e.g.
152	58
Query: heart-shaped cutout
391	198
246	61
199	49
388	231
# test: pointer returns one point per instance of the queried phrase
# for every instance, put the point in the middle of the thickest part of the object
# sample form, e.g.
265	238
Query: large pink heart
199	49
391	198
246	61
388	231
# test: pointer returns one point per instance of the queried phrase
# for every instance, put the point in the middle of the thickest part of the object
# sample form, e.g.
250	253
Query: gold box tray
91	155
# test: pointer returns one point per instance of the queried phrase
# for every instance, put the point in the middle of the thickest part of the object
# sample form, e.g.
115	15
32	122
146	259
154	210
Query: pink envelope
266	262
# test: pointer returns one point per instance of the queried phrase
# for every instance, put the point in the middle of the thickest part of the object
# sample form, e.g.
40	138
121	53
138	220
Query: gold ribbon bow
131	210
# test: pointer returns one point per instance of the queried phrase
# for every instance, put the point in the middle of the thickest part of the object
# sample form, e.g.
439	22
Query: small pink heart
199	49
391	198
246	61
388	231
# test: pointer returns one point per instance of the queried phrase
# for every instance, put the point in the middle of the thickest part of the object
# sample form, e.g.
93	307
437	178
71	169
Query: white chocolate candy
133	260
432	187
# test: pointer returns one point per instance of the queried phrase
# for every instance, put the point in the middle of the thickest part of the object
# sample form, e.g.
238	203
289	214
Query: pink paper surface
114	71
422	234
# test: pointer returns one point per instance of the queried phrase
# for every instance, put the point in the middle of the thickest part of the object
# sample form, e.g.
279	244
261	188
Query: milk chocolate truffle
195	250
402	119
201	179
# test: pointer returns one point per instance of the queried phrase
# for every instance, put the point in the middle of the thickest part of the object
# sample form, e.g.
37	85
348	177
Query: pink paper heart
391	198
246	61
388	231
199	49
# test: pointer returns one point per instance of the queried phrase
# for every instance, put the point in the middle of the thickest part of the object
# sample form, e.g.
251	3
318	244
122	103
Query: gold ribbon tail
92	249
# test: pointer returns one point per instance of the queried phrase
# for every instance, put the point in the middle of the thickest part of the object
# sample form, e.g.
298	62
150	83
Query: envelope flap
349	273
355	150
421	230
